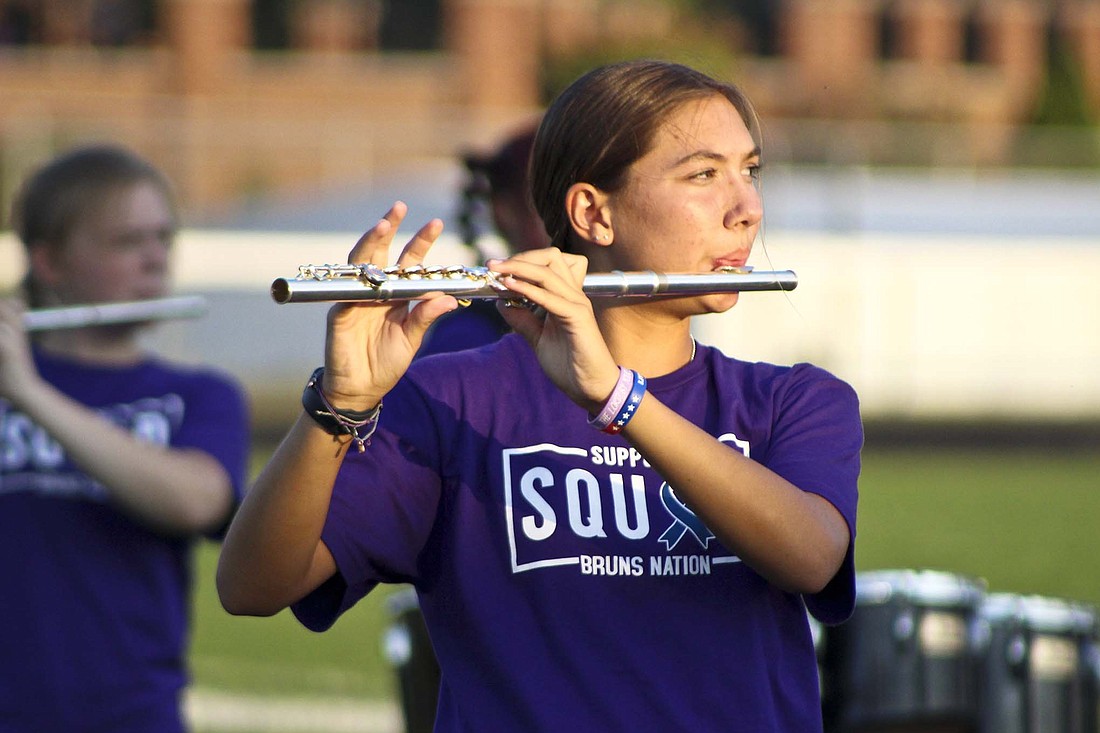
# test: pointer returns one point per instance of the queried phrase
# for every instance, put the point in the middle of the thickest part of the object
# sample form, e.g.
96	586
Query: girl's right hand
17	371
368	346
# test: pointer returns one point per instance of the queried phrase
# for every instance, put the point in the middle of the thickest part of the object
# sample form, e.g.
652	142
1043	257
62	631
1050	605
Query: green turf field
1024	520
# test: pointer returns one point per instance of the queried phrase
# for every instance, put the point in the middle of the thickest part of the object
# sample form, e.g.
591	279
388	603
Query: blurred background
932	173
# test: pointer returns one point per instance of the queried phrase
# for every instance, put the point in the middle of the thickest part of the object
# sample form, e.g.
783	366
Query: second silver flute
101	314
348	283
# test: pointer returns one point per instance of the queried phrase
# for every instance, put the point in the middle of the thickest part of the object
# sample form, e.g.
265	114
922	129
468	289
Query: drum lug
397	644
1016	653
904	627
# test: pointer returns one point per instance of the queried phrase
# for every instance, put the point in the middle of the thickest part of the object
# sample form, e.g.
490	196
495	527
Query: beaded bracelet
637	391
615	402
335	421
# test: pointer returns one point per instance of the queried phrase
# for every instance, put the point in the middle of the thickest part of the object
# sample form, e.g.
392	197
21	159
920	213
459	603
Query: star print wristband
637	391
615	402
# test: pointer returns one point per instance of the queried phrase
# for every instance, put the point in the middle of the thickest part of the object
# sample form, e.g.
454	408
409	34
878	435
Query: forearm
174	491
272	554
797	540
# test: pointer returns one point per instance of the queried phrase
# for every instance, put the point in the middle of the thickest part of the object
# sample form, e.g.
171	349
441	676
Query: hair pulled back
605	121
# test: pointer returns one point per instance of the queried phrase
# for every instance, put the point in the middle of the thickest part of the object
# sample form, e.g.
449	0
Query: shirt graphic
31	460
562	507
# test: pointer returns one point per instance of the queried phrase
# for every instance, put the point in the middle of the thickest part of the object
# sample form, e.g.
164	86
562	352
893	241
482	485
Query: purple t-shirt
564	584
95	607
477	324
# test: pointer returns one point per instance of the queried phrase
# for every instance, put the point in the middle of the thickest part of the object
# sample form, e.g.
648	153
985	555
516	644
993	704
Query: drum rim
402	600
1040	613
930	587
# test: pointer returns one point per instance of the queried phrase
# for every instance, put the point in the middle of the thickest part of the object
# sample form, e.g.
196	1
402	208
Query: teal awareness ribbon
683	521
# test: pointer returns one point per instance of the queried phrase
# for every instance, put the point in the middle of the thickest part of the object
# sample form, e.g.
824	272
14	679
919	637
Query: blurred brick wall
228	122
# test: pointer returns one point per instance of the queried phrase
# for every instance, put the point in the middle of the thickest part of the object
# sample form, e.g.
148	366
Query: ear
589	213
43	263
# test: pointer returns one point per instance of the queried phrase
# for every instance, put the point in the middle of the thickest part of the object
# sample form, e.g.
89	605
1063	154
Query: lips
729	262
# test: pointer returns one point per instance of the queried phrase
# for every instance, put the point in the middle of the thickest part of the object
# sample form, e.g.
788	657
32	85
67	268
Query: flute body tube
99	314
351	283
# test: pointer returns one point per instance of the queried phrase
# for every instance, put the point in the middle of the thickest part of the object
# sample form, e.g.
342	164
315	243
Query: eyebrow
711	155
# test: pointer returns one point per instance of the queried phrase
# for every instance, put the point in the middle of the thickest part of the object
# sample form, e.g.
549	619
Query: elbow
236	604
233	601
814	583
809	580
238	599
207	503
823	552
820	568
808	568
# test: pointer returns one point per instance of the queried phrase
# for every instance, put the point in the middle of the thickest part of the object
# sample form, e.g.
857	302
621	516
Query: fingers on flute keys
546	276
374	246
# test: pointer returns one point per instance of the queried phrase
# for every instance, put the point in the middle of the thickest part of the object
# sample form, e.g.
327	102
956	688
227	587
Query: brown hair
605	121
53	199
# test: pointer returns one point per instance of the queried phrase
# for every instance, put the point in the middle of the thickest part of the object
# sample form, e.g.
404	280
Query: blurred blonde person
114	461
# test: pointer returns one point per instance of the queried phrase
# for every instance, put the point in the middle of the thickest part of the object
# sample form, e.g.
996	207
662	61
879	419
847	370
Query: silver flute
349	283
100	314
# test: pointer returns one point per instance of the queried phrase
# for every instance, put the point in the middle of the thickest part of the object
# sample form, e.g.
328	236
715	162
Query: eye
704	175
752	173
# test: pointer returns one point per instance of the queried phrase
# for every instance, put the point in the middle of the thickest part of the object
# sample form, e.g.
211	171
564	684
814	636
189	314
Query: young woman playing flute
609	526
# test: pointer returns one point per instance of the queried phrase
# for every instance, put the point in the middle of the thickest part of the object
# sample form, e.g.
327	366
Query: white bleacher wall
931	326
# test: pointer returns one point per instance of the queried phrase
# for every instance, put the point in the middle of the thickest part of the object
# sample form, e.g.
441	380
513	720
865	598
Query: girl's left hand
565	336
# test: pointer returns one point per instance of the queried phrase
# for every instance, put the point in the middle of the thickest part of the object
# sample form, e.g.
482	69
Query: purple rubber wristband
616	401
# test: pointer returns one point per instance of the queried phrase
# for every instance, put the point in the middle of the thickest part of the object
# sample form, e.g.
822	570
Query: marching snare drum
906	660
1038	665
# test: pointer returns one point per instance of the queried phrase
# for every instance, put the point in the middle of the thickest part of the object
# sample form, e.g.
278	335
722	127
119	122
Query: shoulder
803	376
804	379
195	383
788	393
196	374
777	379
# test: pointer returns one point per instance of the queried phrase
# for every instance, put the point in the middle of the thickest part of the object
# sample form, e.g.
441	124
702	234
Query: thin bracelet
335	421
637	391
615	402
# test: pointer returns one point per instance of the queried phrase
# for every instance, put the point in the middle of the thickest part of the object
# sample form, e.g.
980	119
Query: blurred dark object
409	650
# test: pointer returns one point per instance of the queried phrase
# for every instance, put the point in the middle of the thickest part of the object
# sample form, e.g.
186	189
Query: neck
113	346
654	347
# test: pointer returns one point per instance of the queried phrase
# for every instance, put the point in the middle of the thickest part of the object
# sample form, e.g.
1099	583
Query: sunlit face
119	251
691	203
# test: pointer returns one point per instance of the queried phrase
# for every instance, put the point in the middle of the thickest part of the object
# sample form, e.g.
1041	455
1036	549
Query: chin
720	302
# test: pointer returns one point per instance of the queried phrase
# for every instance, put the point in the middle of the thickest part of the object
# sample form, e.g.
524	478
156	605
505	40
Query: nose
746	205
154	254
